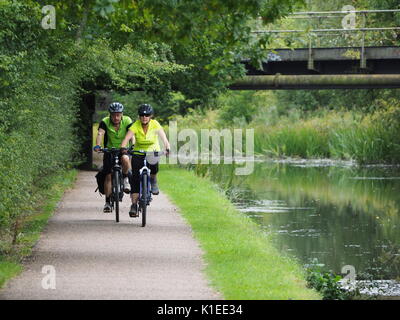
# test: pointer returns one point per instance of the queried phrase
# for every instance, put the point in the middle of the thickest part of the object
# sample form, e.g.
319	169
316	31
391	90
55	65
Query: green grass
241	261
8	270
49	192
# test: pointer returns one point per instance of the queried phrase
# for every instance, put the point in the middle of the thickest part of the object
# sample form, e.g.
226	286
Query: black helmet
116	107
145	109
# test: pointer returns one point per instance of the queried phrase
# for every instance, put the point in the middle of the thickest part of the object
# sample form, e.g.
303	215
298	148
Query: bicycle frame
144	173
116	180
118	170
145	184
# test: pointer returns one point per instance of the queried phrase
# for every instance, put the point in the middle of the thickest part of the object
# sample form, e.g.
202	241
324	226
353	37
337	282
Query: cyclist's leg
108	192
126	172
136	165
107	182
126	164
153	178
108	186
135	197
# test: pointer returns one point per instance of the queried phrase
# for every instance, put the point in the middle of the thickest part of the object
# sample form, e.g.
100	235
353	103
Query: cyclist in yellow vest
144	134
114	128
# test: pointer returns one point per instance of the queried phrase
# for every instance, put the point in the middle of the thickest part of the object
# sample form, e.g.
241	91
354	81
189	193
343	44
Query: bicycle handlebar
110	150
134	152
148	153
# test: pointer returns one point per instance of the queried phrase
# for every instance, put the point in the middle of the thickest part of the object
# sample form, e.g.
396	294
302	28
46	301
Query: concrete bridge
324	68
316	67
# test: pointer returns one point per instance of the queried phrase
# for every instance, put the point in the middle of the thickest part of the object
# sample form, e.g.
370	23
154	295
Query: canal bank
241	261
334	215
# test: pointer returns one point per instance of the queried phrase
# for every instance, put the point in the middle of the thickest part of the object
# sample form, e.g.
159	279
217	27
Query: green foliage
37	137
365	100
373	140
334	21
366	135
174	103
208	37
326	283
238	108
367	139
127	69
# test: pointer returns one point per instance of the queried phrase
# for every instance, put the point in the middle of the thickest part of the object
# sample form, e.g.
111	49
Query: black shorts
137	164
107	162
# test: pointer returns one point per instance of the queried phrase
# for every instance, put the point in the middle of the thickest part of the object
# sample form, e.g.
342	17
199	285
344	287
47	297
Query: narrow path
93	257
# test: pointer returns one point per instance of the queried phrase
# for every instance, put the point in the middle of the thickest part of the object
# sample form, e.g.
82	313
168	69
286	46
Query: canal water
338	216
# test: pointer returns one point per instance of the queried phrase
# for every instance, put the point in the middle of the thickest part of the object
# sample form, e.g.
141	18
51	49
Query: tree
208	37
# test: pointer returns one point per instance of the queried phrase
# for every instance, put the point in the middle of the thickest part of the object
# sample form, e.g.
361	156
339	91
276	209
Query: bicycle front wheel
143	201
116	191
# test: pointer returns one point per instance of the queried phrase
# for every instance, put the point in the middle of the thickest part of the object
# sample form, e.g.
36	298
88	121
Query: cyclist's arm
163	136
129	136
100	135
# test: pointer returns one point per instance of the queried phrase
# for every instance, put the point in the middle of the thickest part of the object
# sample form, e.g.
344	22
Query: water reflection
338	215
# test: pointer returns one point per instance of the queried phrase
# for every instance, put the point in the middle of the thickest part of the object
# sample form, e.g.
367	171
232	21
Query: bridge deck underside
374	66
327	61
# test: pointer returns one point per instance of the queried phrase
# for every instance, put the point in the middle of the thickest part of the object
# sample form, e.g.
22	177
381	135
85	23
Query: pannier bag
100	177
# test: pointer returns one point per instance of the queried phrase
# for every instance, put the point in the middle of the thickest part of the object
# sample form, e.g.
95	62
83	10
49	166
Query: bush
326	283
38	112
240	108
37	137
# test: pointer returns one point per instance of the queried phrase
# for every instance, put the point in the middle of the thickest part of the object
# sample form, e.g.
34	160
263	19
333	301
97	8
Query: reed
371	138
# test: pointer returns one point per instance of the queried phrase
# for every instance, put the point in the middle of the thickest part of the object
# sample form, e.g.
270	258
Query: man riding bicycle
113	129
144	134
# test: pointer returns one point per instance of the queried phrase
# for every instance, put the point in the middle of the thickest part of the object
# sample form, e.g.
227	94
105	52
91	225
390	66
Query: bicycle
117	183
145	184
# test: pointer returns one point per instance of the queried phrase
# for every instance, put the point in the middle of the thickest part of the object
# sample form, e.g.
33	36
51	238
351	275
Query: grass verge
241	262
48	193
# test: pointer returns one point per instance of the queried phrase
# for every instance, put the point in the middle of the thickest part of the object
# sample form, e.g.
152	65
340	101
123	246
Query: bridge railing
349	35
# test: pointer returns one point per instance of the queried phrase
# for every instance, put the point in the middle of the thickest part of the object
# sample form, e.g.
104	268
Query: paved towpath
84	254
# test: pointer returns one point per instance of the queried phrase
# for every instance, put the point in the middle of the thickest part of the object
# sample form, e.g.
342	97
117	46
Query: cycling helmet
116	107
145	109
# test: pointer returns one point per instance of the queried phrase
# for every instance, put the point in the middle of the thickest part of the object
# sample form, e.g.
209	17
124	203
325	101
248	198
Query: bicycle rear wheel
143	202
116	191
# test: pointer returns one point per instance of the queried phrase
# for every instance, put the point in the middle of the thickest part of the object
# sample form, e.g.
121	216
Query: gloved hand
123	150
97	148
